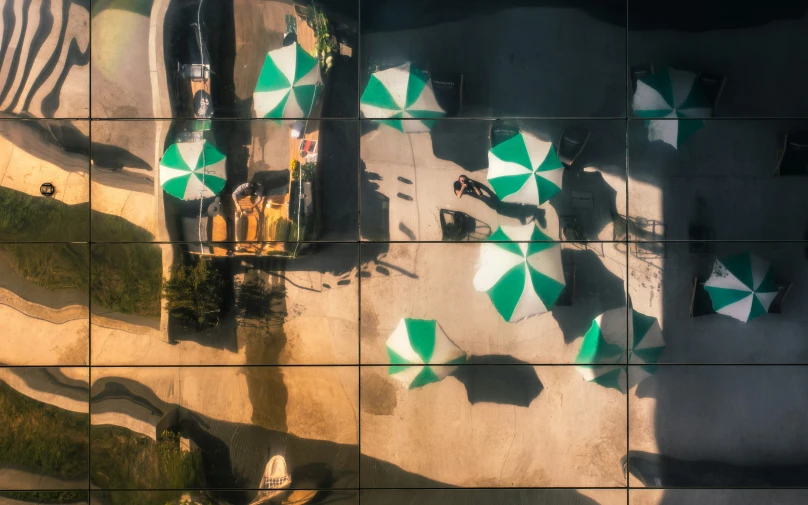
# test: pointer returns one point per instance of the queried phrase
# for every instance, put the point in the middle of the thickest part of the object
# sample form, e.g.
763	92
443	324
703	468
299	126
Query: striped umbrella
416	345
192	170
288	84
741	286
524	169
398	93
671	94
522	279
603	356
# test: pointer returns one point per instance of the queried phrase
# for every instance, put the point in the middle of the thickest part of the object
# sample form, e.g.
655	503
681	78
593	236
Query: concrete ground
317	402
722	178
414	173
573	434
41	326
434	281
506	75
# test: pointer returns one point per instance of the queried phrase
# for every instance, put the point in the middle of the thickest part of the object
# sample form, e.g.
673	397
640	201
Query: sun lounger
638	72
713	86
499	133
448	91
793	156
572	142
700	302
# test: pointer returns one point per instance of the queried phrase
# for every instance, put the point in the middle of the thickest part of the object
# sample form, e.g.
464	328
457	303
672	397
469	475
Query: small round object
47	189
214	209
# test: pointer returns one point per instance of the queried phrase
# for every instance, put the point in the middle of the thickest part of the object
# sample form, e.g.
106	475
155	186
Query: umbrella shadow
464	143
524	213
587	199
513	383
595	291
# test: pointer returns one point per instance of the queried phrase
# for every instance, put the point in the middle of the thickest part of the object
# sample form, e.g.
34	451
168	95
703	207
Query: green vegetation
47	496
194	294
261	304
39	219
122	459
125	278
42	438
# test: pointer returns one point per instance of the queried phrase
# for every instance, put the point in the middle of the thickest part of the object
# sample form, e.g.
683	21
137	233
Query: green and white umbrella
192	170
396	94
671	94
416	347
522	279
288	84
525	170
741	286
603	355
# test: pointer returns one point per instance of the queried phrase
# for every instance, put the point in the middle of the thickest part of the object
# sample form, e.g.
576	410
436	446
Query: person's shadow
512	210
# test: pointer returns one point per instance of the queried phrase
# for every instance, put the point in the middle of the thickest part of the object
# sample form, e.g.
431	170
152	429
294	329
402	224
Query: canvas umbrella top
522	279
414	346
401	97
525	169
288	84
670	93
741	286
192	170
615	339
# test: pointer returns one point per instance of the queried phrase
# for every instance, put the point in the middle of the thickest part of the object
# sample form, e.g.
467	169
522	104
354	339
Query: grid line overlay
626	242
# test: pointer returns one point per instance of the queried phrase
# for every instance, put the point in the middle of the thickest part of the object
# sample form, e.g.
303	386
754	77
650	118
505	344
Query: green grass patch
126	278
47	496
122	459
42	438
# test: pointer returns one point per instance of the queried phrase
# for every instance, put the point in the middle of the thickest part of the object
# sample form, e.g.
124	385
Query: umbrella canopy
288	84
414	346
399	93
525	170
671	94
741	286
603	355
522	279
192	170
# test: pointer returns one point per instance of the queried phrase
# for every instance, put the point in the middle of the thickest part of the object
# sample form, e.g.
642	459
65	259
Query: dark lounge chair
572	142
792	158
568	293
713	86
499	133
700	237
700	302
448	91
639	71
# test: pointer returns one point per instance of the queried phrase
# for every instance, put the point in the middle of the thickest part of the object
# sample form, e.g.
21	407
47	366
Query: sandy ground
573	434
321	403
26	162
41	327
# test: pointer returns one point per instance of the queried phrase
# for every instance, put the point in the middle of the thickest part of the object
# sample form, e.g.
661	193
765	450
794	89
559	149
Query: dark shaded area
596	290
462	142
710	15
375	207
586	204
338	180
515	383
389	15
654	470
